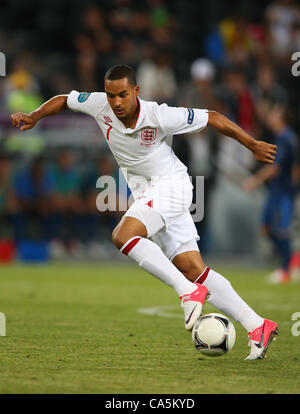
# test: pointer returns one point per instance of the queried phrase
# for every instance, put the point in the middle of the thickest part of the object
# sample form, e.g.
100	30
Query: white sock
151	258
225	298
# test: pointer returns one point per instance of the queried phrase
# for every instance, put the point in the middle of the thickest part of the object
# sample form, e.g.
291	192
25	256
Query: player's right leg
130	236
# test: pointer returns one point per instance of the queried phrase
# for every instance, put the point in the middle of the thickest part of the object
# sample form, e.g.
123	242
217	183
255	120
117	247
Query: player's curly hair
119	72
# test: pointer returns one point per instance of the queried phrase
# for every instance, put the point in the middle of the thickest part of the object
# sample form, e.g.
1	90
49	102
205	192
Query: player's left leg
225	298
130	236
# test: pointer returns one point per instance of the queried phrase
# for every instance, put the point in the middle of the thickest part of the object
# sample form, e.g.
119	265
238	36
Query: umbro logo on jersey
107	119
148	136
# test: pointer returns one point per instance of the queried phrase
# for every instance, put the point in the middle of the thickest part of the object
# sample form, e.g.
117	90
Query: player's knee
117	238
120	237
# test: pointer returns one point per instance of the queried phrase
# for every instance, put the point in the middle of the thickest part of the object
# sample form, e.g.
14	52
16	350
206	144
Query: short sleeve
89	103
179	120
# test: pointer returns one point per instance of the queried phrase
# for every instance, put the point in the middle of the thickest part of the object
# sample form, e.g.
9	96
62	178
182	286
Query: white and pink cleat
192	304
261	338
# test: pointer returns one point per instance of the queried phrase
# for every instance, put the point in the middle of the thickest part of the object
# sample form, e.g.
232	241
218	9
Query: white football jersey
144	151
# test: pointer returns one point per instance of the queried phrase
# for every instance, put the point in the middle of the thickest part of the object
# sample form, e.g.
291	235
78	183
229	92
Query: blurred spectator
266	88
238	40
277	214
295	37
140	23
98	224
21	93
21	87
162	36
128	51
93	44
200	91
86	61
130	30
120	18
8	201
238	105
266	91
159	14
66	182
34	192
215	47
235	93
157	79
67	203
203	148
104	166
281	16
162	23
95	22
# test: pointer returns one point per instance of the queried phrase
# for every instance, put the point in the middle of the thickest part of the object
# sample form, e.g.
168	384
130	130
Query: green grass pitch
77	329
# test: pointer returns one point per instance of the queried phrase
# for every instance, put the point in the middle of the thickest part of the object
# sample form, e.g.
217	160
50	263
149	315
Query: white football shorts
163	207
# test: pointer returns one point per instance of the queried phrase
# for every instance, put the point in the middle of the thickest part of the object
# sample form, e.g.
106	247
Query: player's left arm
262	151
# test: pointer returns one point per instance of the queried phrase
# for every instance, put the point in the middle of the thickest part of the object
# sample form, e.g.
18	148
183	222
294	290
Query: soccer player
158	231
278	209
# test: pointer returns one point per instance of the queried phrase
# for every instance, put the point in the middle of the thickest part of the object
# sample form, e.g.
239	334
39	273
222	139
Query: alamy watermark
296	65
169	194
2	324
2	64
296	326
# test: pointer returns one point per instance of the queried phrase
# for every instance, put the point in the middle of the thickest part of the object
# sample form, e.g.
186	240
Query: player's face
122	97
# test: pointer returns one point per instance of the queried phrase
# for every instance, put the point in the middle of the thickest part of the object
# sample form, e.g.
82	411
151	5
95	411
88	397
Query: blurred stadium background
229	56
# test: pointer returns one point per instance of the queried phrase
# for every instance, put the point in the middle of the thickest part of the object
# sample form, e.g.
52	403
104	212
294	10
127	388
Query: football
213	334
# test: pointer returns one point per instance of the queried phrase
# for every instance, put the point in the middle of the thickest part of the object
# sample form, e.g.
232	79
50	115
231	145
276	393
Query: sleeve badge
83	96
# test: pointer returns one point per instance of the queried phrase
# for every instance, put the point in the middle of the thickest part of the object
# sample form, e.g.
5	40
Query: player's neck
131	120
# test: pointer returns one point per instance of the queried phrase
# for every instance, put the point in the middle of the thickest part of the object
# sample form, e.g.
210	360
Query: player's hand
23	121
264	152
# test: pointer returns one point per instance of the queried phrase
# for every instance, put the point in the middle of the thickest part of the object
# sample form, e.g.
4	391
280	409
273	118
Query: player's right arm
52	107
263	151
188	120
